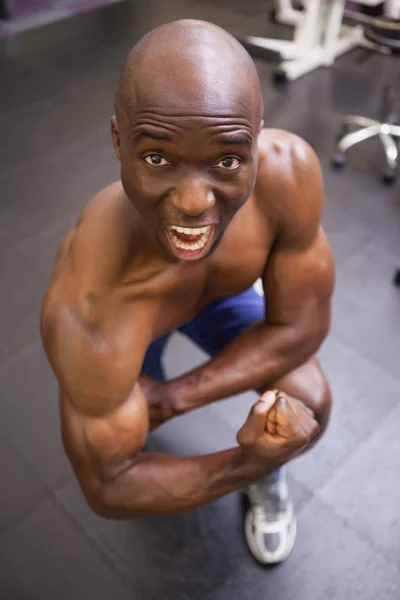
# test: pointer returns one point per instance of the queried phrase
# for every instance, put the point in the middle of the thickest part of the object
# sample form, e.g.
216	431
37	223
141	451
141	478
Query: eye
228	163
156	160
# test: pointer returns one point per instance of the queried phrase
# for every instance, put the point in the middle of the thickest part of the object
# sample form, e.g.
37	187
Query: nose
192	197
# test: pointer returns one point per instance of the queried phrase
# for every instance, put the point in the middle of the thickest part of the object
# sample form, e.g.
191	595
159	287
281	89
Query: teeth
193	245
191	230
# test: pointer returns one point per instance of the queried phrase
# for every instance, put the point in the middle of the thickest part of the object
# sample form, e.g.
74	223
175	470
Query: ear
116	138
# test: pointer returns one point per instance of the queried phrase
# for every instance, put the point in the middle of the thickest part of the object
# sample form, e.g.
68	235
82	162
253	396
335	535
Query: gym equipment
384	32
319	37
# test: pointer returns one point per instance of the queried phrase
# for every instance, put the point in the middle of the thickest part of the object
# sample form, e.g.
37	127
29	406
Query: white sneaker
270	523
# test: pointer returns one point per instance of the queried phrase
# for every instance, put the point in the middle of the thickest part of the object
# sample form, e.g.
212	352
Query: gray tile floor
56	96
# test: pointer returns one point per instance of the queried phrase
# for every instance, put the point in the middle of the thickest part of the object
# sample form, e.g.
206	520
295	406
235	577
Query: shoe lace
269	504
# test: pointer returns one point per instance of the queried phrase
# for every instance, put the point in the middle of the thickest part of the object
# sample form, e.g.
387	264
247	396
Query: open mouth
190	242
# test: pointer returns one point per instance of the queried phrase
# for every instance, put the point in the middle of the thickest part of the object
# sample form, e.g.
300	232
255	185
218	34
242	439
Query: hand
277	428
161	407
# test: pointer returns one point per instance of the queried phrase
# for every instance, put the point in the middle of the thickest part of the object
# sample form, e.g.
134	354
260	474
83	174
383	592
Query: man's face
187	175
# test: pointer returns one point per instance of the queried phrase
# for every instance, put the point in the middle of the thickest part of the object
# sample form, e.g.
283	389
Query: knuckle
303	438
306	409
283	398
304	434
317	427
255	409
241	438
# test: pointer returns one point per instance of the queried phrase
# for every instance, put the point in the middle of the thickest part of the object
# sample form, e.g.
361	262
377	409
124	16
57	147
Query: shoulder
289	183
91	263
287	163
94	254
104	236
290	154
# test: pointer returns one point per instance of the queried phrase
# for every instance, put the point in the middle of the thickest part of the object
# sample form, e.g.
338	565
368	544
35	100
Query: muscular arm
105	421
298	283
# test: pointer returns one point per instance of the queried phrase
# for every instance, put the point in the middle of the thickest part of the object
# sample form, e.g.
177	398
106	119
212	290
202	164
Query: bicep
298	284
104	413
101	447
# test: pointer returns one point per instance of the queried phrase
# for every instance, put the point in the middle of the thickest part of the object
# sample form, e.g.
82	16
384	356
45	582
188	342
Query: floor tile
41	248
365	491
362	396
30	86
330	561
21	491
22	289
202	555
43	129
45	557
367	305
357	195
30	415
346	234
63	184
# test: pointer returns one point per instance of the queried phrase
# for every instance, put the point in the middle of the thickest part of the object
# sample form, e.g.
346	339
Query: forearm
161	484
256	359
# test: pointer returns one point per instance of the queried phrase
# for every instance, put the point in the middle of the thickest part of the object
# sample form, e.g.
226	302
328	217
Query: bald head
190	67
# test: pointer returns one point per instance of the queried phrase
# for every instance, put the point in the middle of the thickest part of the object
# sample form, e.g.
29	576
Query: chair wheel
281	78
389	175
396	278
339	160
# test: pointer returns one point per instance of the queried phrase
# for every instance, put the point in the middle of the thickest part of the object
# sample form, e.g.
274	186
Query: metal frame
387	127
319	36
387	133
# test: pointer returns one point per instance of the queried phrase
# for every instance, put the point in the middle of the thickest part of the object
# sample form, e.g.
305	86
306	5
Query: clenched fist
277	428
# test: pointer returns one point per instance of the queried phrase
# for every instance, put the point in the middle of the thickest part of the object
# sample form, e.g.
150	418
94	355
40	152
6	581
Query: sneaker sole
265	557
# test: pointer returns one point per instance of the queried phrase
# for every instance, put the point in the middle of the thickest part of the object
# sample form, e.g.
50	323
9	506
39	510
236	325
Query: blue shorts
212	329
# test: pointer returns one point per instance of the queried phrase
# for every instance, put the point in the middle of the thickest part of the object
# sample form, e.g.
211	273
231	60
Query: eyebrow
152	135
239	138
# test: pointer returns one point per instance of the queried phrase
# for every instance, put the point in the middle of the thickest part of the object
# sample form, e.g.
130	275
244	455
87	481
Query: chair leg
391	151
351	139
394	130
388	103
